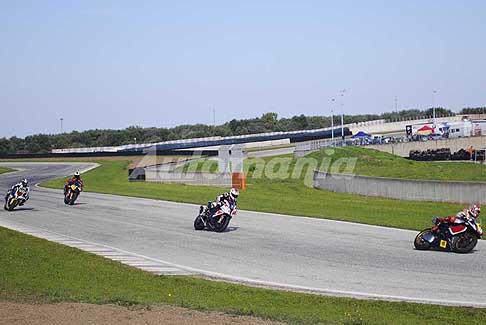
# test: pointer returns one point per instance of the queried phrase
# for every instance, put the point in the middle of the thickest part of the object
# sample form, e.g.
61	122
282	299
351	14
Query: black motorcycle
71	193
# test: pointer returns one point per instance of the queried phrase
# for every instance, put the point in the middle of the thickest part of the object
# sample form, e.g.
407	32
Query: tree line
268	122
473	110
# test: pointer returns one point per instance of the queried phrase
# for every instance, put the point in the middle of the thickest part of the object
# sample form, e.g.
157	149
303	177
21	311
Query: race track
295	253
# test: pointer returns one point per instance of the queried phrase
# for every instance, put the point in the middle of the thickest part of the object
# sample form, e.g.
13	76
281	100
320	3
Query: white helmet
25	182
234	193
76	174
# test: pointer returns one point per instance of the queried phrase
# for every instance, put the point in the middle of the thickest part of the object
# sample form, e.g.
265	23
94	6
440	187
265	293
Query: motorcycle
72	193
217	221
459	237
13	199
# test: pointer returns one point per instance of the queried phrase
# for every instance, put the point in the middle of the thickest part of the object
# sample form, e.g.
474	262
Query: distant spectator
470	150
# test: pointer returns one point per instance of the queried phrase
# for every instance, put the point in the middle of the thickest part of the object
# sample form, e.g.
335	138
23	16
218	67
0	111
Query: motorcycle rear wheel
420	243
464	243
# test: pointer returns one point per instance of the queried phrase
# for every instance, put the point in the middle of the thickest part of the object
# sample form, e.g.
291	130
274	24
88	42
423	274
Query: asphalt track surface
296	253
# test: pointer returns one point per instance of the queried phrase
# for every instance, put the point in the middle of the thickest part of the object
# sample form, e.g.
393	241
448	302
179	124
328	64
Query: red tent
425	130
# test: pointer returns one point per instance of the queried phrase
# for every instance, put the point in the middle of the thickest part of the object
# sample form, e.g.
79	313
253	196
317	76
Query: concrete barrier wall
403	189
154	174
403	148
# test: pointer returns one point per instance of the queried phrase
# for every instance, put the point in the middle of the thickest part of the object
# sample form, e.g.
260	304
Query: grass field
286	196
375	163
37	271
5	170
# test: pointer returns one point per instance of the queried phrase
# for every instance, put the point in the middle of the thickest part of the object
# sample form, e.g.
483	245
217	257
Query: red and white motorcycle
460	236
217	220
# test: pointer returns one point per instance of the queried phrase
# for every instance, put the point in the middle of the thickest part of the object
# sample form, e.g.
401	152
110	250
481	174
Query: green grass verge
5	170
371	162
35	270
286	196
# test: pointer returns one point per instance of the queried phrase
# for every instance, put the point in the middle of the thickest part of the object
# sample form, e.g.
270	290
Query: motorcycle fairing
457	229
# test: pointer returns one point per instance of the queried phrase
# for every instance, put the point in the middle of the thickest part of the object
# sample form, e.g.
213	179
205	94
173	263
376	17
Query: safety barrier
403	189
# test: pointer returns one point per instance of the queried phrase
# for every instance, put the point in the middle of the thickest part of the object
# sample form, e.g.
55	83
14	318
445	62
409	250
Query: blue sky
112	64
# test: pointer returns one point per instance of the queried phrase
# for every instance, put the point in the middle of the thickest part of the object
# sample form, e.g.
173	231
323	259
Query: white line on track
137	261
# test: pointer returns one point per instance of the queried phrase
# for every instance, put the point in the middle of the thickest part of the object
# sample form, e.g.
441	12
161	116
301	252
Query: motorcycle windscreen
428	237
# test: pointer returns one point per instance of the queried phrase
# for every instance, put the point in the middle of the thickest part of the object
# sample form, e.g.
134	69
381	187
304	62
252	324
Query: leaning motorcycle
14	198
72	193
458	237
217	221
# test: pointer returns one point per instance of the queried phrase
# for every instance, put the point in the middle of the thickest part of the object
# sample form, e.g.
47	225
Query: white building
479	127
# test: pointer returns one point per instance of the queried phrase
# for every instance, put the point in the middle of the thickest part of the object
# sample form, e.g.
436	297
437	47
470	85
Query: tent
425	130
361	135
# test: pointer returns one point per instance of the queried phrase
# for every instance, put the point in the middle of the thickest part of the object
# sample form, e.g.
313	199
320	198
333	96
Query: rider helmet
474	211
234	193
76	175
25	182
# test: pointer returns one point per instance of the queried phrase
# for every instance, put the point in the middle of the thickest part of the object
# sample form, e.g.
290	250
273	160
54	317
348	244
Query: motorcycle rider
76	179
231	197
472	212
23	186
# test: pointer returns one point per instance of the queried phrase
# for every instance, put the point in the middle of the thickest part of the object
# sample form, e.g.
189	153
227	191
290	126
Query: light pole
342	115
332	122
214	117
434	93
61	119
396	105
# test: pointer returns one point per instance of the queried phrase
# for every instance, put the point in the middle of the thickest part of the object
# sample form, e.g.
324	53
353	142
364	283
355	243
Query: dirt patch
77	313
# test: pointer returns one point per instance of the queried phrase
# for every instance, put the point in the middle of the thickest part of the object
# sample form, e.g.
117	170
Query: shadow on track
21	209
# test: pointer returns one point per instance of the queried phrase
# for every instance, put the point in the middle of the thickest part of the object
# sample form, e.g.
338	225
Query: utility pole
396	105
332	122
214	117
61	119
342	115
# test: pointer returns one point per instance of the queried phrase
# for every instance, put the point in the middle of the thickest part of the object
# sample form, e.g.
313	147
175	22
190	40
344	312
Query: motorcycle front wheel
73	198
464	243
198	223
11	204
221	226
420	243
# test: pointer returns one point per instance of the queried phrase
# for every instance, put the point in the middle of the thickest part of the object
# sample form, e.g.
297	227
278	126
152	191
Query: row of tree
268	122
473	110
